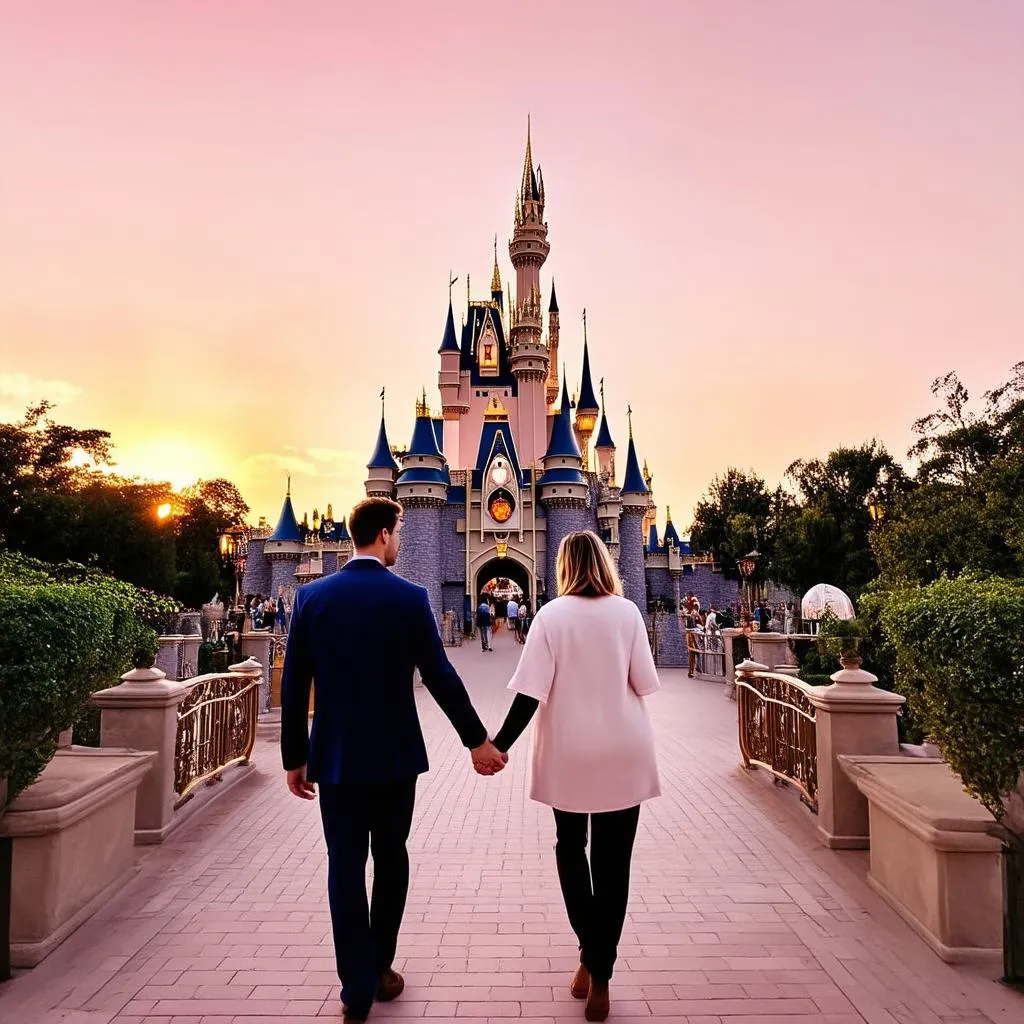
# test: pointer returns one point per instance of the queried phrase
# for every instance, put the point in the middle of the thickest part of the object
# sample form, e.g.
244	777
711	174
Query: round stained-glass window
500	507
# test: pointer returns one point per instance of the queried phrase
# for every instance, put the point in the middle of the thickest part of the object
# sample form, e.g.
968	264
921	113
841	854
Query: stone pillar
728	634
772	649
169	655
853	716
631	557
564	516
142	714
190	655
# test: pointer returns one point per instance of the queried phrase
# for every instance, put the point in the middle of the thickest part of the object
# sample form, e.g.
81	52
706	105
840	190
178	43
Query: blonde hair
584	567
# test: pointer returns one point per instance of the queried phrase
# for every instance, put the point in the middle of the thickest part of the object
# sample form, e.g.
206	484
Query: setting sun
164	510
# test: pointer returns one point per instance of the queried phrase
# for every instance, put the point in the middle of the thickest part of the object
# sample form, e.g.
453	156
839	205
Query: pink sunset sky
227	224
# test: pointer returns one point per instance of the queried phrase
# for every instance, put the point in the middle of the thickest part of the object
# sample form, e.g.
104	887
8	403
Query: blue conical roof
566	404
587	399
287	526
671	535
563	440
382	457
553	304
424	440
633	482
448	342
604	435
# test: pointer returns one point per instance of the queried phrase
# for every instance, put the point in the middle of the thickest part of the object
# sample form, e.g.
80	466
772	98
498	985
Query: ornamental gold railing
216	728
777	730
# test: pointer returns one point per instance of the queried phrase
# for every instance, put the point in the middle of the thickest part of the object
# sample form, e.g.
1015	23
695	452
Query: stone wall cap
75	783
143	675
855	698
248	667
160	692
925	792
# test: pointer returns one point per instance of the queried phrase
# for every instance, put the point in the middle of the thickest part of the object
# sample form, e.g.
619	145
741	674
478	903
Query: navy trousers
358	819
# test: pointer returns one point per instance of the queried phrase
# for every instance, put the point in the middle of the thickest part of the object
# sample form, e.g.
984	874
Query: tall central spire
525	191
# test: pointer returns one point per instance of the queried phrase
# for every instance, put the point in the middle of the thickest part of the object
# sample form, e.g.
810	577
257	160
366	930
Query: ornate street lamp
747	565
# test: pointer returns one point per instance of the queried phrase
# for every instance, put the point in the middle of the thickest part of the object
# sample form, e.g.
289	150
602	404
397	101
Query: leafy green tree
825	539
737	514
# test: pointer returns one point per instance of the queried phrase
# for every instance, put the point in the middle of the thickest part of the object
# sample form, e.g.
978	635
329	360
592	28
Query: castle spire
496	274
587	401
529	180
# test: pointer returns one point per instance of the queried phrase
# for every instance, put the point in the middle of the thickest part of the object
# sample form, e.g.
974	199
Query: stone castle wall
631	560
561	521
419	557
256	579
671	641
453	547
659	584
282	574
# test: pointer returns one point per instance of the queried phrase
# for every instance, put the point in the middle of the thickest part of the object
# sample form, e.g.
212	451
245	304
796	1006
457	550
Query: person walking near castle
485	623
512	615
587	664
360	633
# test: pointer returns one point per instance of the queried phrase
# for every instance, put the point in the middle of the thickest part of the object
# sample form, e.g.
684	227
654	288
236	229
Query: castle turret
497	294
528	356
564	491
422	489
551	388
586	404
382	468
604	448
631	537
284	547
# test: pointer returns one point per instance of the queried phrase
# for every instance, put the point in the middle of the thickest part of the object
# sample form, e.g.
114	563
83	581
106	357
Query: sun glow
164	510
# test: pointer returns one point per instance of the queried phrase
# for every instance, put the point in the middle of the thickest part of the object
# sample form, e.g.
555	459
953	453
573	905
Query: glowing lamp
747	564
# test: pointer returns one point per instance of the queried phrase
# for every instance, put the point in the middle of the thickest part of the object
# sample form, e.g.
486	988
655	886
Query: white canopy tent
822	596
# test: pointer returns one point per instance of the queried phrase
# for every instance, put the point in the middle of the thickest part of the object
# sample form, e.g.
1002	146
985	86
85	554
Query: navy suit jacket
360	633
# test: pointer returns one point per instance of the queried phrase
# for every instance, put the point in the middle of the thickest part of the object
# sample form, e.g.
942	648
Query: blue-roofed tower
283	548
604	447
631	536
422	489
551	387
529	356
586	404
564	490
382	469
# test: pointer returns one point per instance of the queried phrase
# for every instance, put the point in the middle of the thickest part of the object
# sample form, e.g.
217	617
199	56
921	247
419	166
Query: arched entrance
502	578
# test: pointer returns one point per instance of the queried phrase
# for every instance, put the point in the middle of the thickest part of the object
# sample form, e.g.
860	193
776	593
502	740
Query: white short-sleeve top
588	661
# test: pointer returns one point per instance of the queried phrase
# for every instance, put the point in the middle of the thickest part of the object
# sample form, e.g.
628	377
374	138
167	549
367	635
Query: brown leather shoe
389	986
580	987
598	1003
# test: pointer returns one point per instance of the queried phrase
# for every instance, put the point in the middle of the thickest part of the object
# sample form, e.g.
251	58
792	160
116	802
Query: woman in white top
587	664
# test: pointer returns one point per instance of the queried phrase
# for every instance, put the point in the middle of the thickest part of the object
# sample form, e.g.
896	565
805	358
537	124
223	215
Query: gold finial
422	409
467	290
601	388
330	512
629	418
288	490
451	281
496	276
668	514
584	326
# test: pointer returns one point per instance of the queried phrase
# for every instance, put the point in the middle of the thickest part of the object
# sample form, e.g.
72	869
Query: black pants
596	894
356	819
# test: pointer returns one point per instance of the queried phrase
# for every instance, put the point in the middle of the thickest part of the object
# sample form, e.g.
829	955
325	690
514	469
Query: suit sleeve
643	676
442	681
295	686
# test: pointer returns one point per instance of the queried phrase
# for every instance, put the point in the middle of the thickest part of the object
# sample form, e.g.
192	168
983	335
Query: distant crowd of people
491	616
267	612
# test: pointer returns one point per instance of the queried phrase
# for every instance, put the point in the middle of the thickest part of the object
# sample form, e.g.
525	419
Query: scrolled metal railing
777	729
216	728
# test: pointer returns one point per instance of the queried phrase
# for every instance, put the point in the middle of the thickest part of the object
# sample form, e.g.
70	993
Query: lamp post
234	547
747	565
876	510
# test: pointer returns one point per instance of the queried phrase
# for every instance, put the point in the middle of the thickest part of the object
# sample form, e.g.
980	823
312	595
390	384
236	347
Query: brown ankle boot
598	1003
580	987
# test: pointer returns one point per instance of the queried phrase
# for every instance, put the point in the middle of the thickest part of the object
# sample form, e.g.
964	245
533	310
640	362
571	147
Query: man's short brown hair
369	517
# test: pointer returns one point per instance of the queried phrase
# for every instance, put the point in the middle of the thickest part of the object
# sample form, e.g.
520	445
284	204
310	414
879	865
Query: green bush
68	632
959	661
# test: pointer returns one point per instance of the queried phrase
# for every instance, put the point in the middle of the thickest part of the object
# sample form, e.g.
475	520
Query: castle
492	484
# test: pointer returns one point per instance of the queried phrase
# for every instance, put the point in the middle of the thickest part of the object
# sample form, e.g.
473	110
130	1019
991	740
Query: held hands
487	759
299	785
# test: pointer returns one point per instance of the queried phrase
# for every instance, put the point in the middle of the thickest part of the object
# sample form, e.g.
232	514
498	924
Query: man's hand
488	759
299	786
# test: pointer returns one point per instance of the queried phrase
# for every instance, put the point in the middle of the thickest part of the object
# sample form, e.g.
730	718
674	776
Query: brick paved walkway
737	913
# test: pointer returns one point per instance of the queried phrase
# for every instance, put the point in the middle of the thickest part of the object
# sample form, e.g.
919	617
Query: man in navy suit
360	633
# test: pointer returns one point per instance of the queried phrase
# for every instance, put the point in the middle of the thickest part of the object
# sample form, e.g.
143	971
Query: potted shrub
960	663
841	637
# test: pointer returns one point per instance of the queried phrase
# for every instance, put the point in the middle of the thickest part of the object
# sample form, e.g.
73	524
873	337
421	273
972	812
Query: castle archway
501	578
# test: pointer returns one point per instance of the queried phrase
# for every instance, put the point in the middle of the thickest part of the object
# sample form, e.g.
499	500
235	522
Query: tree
737	514
826	537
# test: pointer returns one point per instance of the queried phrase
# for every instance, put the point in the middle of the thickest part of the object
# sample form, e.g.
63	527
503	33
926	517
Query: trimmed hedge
68	631
959	647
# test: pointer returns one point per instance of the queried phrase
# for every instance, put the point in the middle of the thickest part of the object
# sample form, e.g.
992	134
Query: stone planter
84	800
